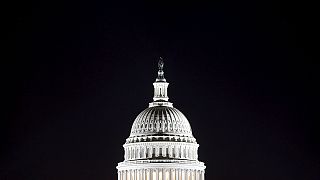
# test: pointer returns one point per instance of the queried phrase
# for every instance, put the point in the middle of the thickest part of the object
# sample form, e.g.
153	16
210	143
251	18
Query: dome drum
161	150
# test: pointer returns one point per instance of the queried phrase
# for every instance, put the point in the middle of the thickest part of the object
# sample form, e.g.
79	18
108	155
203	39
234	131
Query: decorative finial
160	64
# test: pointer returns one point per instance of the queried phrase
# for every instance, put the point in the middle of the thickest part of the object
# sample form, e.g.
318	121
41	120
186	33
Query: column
167	174
162	151
144	174
176	172
133	153
157	152
153	174
125	175
148	174
193	153
137	174
130	153
129	175
131	172
182	174
193	174
203	175
185	172
162	175
157	174
197	175
134	174
188	174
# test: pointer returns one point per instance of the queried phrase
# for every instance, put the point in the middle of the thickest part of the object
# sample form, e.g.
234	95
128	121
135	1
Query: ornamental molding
155	144
185	166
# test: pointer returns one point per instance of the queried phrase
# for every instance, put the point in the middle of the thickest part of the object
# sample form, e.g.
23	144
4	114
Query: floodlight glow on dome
161	145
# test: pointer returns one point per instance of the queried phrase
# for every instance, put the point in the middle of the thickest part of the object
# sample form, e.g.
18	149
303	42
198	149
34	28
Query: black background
242	72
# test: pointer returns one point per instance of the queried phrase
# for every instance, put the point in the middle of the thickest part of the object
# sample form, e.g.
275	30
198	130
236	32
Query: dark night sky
242	72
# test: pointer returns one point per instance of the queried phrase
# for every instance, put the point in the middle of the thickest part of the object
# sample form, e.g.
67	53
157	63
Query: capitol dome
161	145
161	120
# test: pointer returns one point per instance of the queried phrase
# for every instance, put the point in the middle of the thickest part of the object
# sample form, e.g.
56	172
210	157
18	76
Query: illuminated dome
161	120
161	145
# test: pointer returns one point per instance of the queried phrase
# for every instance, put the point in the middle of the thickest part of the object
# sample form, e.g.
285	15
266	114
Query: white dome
162	120
161	144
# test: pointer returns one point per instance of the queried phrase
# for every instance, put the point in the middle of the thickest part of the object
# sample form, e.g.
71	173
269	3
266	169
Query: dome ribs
161	120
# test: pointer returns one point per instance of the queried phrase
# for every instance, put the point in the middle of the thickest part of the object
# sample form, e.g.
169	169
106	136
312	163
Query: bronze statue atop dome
160	64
